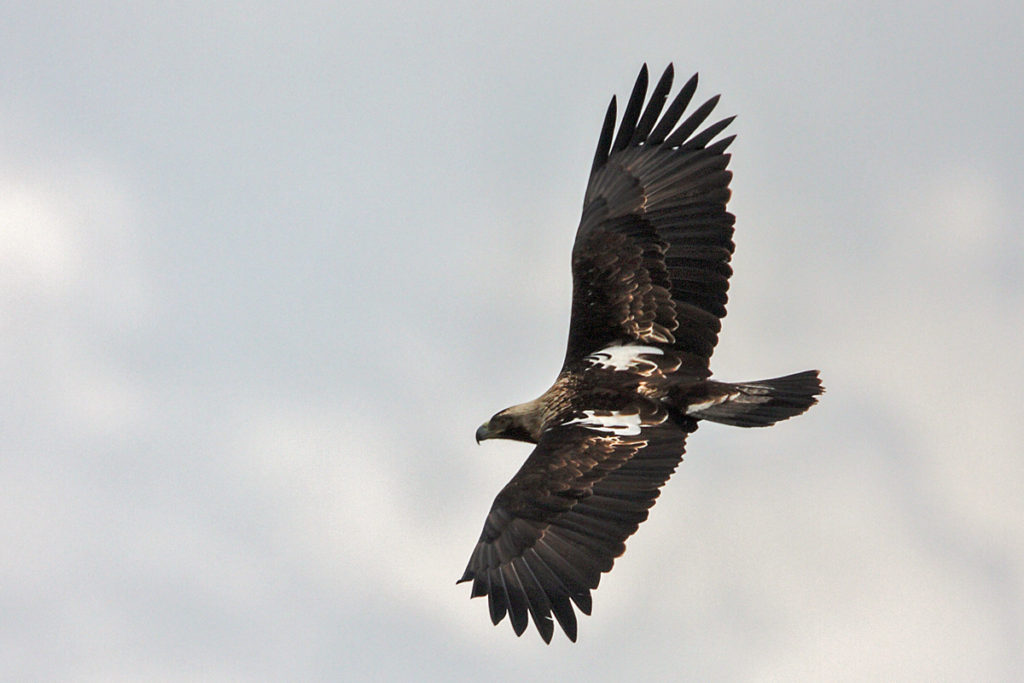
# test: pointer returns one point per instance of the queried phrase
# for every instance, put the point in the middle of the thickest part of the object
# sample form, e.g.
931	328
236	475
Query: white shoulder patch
609	422
624	357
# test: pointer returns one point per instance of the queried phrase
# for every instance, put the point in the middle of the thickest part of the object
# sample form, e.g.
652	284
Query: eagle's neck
533	417
529	416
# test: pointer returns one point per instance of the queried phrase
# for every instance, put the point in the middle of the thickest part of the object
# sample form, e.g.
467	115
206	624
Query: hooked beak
483	432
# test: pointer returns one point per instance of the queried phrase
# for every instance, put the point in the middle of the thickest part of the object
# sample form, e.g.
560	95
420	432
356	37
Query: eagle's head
512	423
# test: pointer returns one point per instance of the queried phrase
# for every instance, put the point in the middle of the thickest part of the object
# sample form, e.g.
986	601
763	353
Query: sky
264	269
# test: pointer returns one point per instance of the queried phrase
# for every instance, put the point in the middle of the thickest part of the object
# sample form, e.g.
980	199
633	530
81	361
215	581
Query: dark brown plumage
650	273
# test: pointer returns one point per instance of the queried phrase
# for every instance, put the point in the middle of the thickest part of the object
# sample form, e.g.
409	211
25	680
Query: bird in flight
650	269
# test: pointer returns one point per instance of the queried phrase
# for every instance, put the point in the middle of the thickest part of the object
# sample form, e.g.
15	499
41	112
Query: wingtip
546	628
604	143
583	600
467	575
496	608
611	113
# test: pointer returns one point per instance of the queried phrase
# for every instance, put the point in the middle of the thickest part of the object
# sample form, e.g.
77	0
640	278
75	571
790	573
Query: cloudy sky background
263	271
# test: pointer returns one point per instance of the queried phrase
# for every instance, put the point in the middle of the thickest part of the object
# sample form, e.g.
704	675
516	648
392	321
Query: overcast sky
265	267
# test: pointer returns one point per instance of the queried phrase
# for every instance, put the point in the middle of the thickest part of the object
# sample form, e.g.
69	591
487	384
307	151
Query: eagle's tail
756	404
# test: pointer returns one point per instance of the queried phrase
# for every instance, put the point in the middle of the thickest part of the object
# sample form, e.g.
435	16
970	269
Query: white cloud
69	291
343	501
35	246
66	232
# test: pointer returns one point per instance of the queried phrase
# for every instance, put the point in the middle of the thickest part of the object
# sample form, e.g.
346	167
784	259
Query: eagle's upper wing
651	259
564	517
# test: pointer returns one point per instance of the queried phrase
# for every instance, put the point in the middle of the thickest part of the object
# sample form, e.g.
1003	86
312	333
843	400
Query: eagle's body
650	272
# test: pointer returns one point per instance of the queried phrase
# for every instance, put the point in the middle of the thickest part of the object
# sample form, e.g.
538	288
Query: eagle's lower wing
651	258
564	517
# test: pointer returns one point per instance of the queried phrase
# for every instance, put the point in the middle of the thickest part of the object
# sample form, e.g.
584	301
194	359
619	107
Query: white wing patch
625	357
610	422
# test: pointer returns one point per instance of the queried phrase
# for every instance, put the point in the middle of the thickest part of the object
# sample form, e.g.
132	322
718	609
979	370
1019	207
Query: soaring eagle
650	269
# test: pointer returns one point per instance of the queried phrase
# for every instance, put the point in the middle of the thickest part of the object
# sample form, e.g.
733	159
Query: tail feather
757	404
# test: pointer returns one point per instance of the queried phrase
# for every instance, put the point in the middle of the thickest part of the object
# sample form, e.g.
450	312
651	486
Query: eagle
650	271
